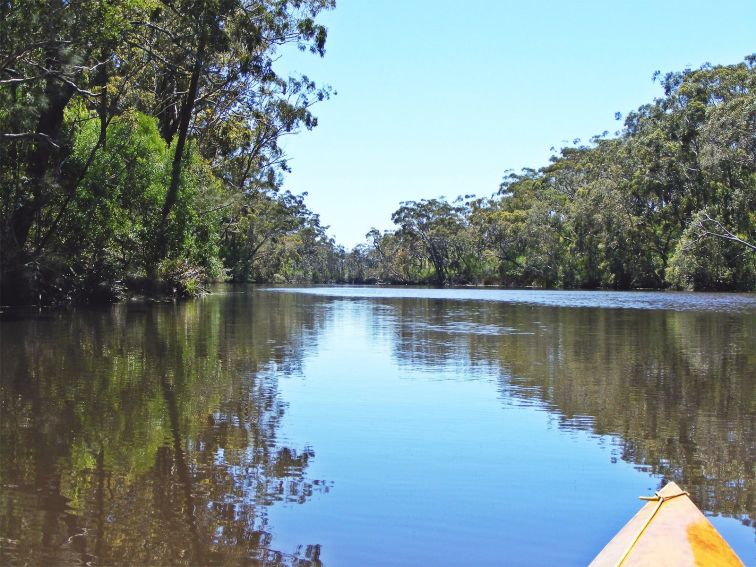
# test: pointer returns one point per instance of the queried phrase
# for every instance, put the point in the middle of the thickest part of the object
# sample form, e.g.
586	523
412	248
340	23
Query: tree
433	224
252	235
202	68
52	54
230	47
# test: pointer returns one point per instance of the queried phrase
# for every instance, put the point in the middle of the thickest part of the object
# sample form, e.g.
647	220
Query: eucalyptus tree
669	200
53	55
250	239
209	65
433	225
703	167
521	230
204	69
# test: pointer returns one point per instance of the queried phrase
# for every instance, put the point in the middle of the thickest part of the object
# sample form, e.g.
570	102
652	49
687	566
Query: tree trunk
40	167
187	111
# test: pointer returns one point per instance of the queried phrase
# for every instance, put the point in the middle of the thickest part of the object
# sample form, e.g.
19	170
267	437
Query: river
370	426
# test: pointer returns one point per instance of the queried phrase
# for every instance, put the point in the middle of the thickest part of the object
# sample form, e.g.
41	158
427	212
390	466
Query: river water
370	426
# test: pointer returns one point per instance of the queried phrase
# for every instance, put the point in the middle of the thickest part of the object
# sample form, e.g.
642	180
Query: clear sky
441	98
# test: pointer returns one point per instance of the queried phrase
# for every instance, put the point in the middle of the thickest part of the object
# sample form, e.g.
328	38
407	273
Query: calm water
364	426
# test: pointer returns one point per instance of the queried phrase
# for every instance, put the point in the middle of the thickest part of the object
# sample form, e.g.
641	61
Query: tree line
139	144
140	153
670	201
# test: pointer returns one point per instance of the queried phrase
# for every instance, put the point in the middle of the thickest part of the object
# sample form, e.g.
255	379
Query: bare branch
36	136
10	82
718	230
62	78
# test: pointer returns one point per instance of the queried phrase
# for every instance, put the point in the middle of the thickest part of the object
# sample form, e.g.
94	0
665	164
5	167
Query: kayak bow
668	530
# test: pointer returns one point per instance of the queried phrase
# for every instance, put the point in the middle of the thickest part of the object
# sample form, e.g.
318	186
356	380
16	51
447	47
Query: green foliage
130	131
622	212
253	236
433	230
701	262
140	142
105	232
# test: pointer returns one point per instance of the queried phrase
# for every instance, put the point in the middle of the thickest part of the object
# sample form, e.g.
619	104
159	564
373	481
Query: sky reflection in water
452	422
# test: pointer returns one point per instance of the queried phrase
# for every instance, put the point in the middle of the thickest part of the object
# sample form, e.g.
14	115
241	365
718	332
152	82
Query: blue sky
441	98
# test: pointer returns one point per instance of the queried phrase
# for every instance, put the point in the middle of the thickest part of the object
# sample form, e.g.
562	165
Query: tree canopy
134	133
140	150
668	202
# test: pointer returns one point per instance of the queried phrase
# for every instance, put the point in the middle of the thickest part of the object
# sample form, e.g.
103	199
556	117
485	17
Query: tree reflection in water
674	388
151	434
148	435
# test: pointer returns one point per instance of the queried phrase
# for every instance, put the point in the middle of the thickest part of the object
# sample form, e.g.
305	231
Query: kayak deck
668	530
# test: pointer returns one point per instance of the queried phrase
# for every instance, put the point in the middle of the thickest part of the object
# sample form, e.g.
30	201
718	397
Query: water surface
370	426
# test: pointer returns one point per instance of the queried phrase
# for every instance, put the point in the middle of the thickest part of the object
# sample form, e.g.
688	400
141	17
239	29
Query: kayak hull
669	530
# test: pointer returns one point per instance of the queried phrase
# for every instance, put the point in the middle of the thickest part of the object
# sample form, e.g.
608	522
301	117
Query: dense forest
140	153
668	202
139	145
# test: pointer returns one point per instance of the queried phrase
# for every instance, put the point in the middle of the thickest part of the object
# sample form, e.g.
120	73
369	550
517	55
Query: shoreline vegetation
139	155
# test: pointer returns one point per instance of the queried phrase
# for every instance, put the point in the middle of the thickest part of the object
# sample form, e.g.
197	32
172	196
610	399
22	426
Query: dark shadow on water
148	434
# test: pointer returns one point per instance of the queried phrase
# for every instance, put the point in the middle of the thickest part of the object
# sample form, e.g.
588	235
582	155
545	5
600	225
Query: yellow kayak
668	530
